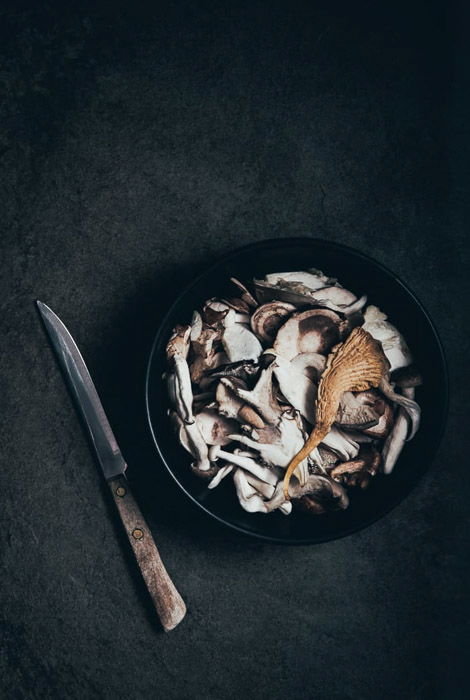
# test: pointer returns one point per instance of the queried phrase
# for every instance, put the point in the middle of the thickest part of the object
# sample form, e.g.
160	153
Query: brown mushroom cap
406	377
267	319
357	472
314	330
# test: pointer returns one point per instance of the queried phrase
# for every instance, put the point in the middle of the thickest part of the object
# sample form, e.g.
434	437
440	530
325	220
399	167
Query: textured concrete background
137	144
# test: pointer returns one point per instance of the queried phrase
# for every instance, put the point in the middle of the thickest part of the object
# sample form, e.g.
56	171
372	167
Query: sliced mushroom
191	439
311	364
312	331
232	406
357	472
312	288
341	443
241	459
278	452
261	397
356	411
244	369
214	427
409	405
177	352
249	496
201	366
268	318
396	439
238	341
319	494
384	410
196	325
296	387
246	294
238	305
393	343
406	377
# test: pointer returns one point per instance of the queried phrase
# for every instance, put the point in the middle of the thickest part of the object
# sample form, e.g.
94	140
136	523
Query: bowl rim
266	243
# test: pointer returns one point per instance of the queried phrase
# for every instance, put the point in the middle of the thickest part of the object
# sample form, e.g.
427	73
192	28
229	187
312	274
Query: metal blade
85	394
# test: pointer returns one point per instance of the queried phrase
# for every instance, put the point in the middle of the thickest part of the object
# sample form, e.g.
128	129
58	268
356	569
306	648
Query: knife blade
168	602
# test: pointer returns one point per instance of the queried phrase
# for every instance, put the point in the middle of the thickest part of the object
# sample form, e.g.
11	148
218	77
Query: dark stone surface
139	142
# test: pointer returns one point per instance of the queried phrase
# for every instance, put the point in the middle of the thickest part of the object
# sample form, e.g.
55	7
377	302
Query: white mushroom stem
411	408
396	439
221	474
267	475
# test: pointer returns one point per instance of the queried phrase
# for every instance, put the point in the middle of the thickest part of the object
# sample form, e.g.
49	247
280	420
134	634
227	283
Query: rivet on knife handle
168	602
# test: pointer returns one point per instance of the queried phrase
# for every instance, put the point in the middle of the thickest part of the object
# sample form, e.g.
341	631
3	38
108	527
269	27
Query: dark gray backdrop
138	143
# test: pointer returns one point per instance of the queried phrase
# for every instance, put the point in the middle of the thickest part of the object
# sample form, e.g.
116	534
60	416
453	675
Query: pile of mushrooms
243	379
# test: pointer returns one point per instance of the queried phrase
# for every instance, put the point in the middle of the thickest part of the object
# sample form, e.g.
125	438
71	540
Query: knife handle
168	602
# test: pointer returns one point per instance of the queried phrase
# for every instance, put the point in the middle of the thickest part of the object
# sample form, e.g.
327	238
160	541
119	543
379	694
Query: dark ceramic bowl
360	274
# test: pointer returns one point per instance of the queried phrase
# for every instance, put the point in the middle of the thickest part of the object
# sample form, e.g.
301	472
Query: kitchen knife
168	602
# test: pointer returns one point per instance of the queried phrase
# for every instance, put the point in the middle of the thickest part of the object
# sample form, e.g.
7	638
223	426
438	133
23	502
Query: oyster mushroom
311	331
267	319
196	325
238	341
232	406
177	352
384	410
406	377
261	397
246	294
319	494
311	287
397	437
250	497
244	369
296	387
221	474
356	411
201	367
214	427
341	443
238	305
393	343
357	472
406	403
311	364
279	446
246	461
191	439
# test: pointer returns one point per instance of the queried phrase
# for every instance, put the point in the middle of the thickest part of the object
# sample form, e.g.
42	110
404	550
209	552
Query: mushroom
246	294
232	406
311	364
238	305
394	345
221	474
267	319
238	341
311	287
341	443
261	397
397	437
282	444
405	401
243	369
319	494
214	427
311	331
357	472
296	387
250	497
196	325
383	409
177	352
356	411
406	377
191	439
246	461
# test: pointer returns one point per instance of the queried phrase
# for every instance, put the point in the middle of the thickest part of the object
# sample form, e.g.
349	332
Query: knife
168	602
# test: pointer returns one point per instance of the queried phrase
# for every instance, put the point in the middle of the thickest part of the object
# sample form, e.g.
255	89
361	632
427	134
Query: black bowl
360	274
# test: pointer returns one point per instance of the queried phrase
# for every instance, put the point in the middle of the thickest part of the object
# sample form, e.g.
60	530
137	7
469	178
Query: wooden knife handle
168	602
